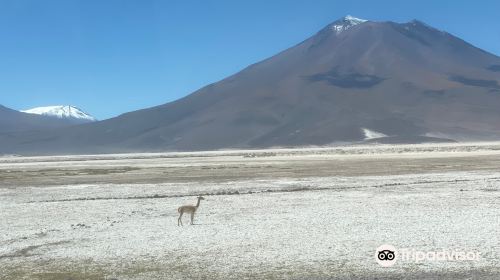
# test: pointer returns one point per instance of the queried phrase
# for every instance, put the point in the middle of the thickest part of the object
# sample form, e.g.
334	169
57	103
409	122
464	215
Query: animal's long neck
198	203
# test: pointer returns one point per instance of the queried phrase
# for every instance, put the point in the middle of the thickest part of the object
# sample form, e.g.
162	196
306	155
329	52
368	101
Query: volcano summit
401	82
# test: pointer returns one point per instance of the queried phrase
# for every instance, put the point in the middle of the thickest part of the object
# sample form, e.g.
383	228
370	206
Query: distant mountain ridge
62	112
12	121
353	81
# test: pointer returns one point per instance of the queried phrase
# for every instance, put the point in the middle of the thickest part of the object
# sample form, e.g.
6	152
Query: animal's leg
179	221
192	218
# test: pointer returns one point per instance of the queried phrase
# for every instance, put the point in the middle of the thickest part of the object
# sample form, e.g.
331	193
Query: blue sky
109	57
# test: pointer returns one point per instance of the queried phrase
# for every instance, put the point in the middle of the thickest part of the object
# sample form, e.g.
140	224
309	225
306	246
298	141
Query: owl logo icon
386	255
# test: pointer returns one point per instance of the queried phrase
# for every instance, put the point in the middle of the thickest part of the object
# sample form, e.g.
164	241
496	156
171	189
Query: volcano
12	121
353	81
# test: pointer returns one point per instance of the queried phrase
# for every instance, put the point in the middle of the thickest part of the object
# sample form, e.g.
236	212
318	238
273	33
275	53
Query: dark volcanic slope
403	80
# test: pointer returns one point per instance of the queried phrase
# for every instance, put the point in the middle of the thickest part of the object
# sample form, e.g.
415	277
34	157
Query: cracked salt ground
267	230
281	228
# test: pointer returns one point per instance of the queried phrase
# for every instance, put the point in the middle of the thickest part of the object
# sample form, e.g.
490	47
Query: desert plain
305	213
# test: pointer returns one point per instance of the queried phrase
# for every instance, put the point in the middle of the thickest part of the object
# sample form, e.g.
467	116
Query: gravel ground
299	226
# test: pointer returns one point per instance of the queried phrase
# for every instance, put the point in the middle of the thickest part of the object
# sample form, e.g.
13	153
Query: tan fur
191	209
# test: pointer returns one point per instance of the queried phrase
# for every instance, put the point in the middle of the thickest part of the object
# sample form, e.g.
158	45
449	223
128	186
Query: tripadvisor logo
387	255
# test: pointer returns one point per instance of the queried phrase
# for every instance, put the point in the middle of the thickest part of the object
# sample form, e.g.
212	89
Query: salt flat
271	214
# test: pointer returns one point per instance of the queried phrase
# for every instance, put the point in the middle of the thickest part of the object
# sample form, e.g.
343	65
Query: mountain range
37	119
67	112
353	81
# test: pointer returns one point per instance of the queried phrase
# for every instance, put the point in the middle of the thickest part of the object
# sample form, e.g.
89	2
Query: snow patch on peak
371	134
345	23
61	112
354	19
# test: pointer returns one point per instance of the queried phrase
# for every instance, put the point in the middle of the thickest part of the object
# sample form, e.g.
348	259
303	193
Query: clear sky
113	56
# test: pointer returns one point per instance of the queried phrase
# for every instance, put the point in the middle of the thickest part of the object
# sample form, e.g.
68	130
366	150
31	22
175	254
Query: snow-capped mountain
12	121
62	112
345	23
374	82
